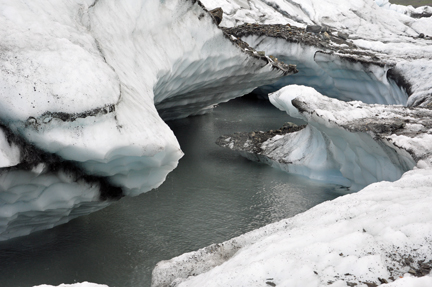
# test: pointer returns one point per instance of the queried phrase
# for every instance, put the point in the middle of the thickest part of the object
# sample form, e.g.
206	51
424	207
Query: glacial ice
387	36
381	232
330	74
351	144
86	84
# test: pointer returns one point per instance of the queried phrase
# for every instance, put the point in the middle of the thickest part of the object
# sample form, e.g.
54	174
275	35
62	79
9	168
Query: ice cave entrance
345	77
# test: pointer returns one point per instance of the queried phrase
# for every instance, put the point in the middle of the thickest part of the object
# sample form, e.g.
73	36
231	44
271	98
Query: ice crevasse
80	82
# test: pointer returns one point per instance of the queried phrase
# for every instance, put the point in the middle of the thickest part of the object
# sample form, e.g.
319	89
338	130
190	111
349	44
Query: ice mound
86	83
378	235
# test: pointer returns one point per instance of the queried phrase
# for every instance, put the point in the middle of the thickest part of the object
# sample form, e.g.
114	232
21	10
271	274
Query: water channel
212	196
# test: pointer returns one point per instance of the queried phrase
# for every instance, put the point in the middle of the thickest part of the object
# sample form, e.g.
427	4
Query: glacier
419	12
85	85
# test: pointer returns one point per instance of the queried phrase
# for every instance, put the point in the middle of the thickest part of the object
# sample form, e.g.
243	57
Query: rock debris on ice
83	284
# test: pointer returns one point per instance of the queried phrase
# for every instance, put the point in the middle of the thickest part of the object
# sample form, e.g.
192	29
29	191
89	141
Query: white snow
344	143
373	26
360	18
338	139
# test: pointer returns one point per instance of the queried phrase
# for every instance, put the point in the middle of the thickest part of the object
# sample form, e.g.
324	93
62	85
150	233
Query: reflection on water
212	196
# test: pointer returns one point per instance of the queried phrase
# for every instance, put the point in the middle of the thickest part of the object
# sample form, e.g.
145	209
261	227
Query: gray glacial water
212	196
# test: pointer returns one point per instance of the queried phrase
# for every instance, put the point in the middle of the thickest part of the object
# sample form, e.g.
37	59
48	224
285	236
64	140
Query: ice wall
400	42
79	80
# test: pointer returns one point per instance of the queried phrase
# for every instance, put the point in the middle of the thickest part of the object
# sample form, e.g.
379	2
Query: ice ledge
376	236
348	143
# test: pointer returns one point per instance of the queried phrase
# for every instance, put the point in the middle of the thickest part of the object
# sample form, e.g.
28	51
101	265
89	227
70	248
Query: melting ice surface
211	197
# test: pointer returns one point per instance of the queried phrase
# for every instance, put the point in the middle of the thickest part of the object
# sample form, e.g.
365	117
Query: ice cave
147	122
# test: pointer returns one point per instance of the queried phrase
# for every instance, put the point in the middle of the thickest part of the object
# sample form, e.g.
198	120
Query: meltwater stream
212	196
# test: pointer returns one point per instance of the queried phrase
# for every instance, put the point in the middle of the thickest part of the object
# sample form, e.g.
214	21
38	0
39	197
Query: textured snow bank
383	232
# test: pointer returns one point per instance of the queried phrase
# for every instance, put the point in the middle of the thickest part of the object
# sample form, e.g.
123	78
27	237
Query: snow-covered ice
88	82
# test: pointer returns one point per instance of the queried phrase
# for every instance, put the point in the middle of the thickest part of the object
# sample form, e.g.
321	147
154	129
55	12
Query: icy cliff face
352	144
86	83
